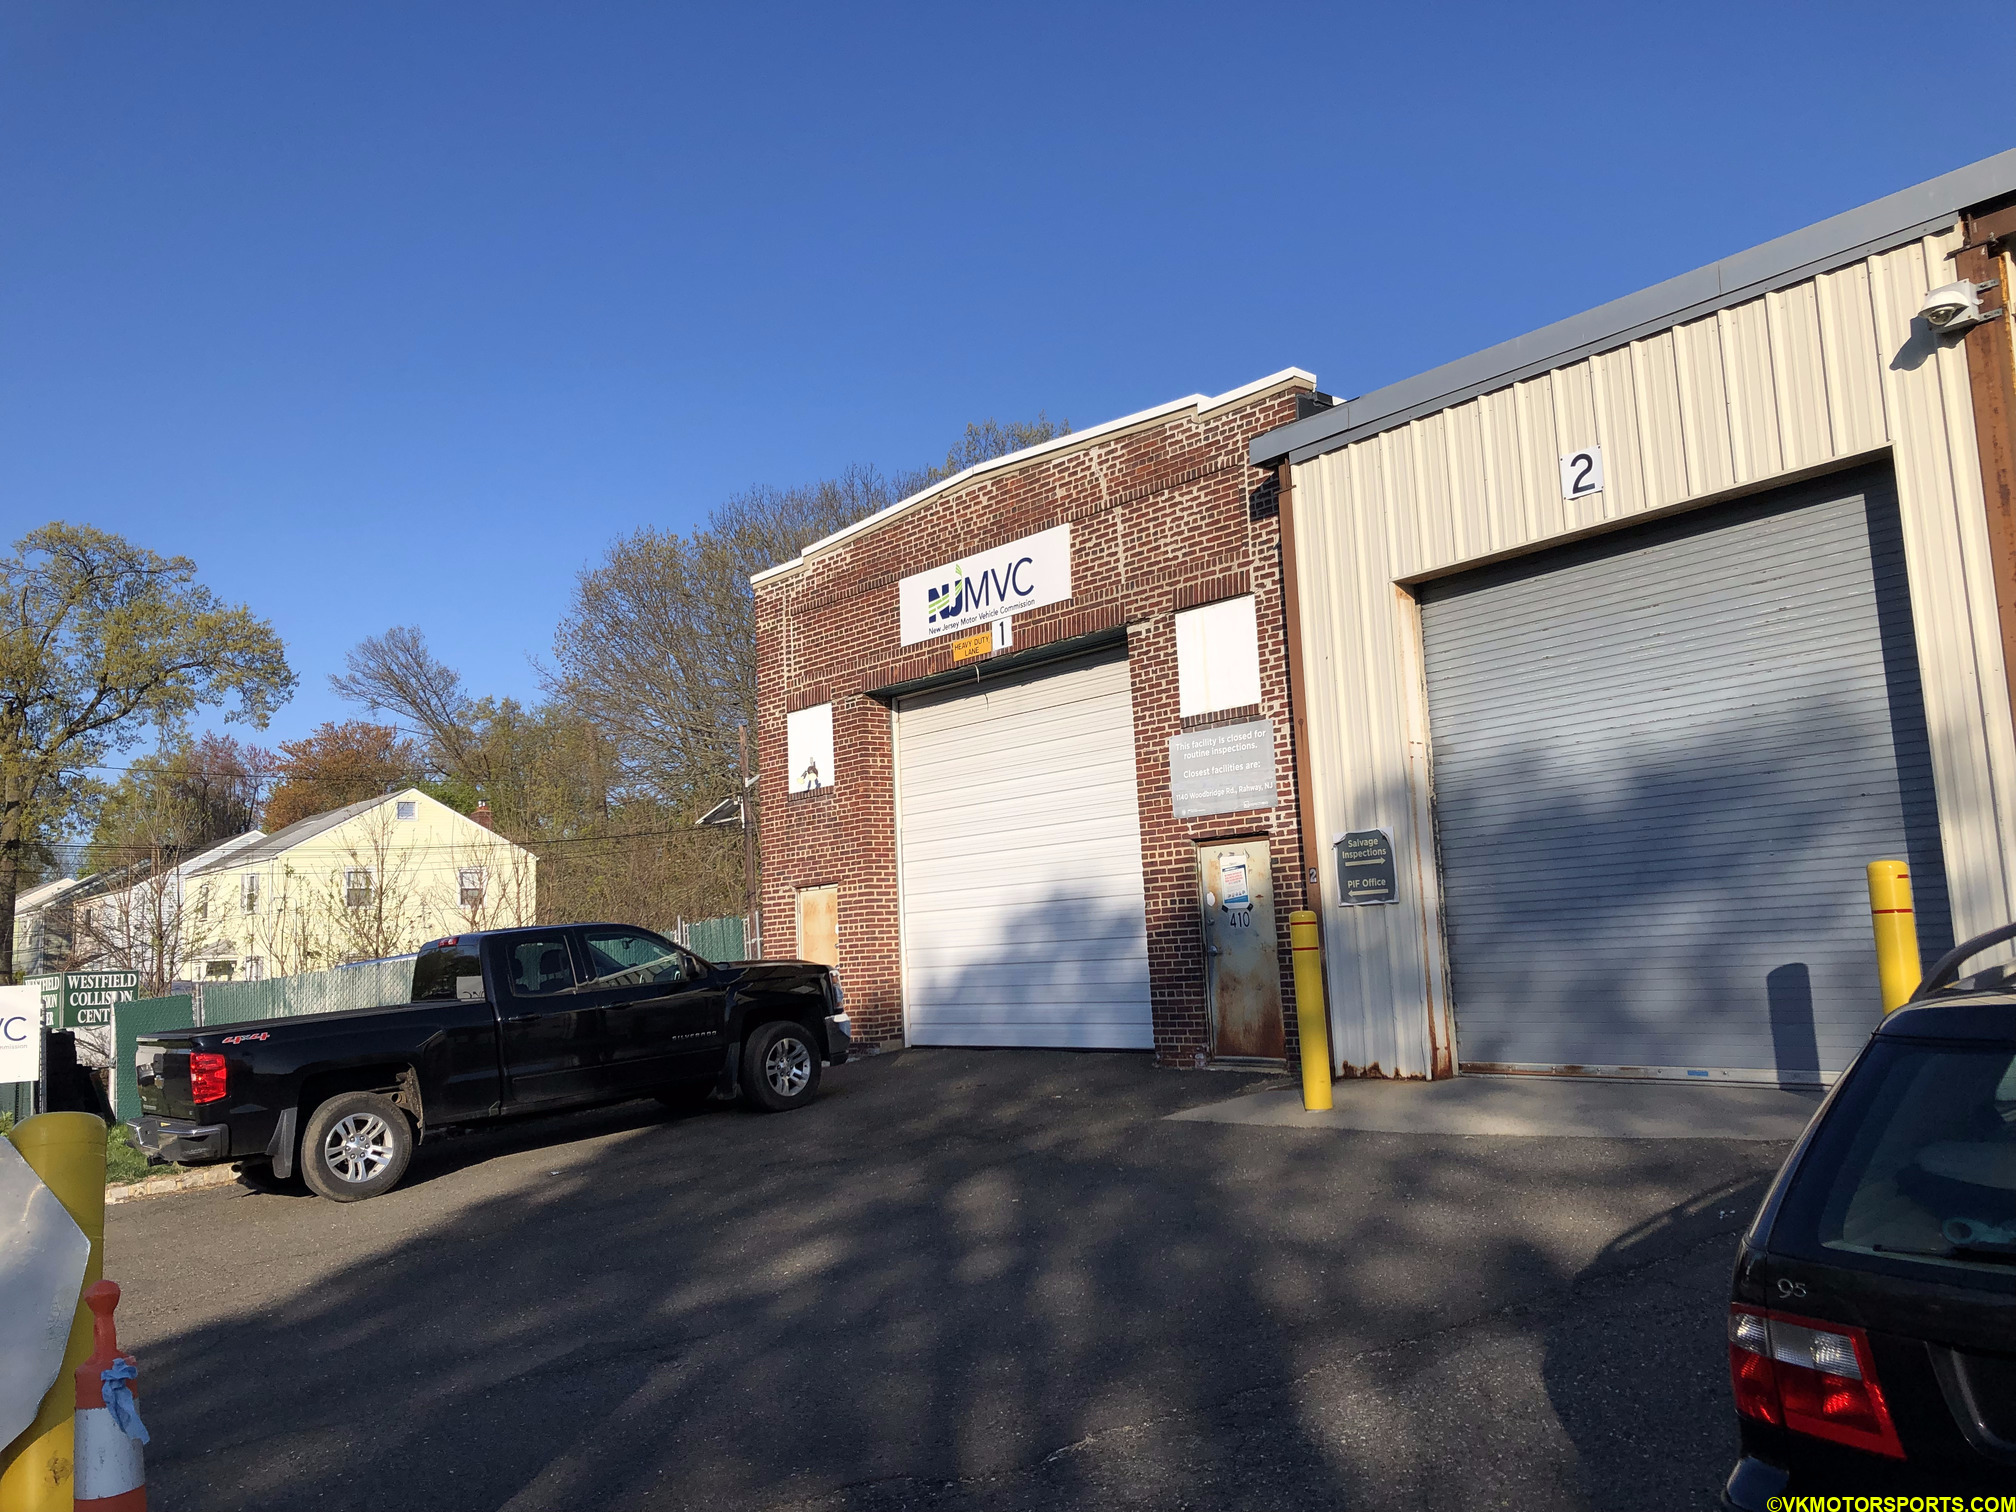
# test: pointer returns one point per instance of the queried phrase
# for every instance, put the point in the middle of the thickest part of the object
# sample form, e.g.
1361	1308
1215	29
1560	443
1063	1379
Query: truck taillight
1810	1377
206	1076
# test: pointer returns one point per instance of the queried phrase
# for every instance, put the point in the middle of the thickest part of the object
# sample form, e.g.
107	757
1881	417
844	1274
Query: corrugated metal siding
1821	374
1662	759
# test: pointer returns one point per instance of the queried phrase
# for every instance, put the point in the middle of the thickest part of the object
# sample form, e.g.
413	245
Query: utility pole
753	933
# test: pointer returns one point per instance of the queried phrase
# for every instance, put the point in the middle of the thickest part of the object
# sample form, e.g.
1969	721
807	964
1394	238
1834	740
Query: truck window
439	968
538	966
631	957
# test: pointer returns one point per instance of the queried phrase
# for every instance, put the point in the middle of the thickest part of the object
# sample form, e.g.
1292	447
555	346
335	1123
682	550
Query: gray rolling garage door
1018	840
1662	760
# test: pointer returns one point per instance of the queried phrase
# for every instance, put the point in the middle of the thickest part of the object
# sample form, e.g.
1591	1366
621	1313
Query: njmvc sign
988	585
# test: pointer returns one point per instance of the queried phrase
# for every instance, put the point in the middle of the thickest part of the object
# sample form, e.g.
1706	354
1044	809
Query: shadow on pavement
962	1279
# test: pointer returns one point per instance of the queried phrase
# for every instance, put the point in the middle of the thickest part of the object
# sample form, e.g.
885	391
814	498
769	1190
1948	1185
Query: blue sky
400	313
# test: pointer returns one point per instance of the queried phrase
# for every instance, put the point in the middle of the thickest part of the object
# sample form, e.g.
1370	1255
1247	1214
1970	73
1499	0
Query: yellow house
375	878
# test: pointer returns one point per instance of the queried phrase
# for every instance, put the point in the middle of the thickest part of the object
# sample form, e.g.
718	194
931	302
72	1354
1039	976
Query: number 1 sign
1582	472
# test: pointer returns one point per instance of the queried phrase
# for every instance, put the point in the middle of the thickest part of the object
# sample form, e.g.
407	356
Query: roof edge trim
1200	404
1878	226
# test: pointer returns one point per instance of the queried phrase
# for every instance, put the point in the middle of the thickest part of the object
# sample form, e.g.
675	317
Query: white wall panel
1799	379
1748	376
1662	438
1704	407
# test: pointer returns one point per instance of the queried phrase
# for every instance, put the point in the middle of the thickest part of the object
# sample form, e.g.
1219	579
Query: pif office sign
85	999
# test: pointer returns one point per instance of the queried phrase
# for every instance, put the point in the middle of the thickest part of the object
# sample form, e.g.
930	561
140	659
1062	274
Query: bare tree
659	645
395	673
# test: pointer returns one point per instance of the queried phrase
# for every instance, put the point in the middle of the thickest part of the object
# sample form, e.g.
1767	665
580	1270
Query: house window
470	882
808	744
1217	657
357	887
217	971
409	808
255	968
203	902
248	893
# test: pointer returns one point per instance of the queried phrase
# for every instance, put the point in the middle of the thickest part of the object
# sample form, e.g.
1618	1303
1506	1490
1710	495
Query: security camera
1954	306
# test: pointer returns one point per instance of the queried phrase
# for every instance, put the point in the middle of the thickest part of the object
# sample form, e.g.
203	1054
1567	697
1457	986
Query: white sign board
986	586
20	1034
43	1255
1232	877
1222	769
808	748
1582	472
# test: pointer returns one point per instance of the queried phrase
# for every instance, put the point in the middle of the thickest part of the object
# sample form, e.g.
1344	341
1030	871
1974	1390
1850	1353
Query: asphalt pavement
960	1279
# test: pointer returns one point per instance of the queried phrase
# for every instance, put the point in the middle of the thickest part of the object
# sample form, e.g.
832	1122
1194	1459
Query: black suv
1872	1324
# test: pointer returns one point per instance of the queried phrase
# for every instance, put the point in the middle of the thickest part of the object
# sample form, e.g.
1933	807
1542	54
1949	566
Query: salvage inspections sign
988	585
84	999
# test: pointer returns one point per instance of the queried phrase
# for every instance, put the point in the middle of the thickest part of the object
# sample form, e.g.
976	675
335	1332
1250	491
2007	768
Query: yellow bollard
67	1150
1306	945
1897	965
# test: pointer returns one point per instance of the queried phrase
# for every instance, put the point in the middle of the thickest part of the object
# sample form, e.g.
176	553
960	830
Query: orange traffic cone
111	1474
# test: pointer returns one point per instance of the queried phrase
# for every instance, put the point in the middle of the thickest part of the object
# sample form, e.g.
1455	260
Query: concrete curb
161	1186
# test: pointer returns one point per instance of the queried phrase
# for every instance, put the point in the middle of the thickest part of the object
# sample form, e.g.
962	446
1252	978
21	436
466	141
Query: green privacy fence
129	1022
369	984
713	939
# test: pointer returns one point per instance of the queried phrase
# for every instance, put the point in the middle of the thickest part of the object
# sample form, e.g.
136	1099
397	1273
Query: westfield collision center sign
986	586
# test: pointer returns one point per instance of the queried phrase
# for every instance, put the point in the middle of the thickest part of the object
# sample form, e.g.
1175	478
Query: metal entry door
1236	894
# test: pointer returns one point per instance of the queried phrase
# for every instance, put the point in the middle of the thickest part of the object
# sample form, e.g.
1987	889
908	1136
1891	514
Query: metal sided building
1620	649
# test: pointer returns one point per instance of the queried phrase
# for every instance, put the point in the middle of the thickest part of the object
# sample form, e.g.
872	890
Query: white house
374	878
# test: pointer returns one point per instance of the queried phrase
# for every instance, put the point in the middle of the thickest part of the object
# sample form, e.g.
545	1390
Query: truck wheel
356	1145
780	1067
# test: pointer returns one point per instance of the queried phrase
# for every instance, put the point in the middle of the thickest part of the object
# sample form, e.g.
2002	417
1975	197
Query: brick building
1027	776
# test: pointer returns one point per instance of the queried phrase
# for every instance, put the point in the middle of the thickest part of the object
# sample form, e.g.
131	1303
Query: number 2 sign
1582	472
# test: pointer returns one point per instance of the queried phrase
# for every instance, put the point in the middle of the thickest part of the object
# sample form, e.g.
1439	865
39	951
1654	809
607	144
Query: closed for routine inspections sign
1222	769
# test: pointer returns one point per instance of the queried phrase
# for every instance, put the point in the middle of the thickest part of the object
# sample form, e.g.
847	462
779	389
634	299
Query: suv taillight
206	1076
1810	1377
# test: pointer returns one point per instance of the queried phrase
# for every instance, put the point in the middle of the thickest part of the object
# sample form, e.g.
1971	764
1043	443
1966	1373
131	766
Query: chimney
482	815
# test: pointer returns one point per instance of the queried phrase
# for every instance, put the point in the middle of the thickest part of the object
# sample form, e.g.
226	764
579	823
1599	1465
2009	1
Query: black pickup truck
504	1022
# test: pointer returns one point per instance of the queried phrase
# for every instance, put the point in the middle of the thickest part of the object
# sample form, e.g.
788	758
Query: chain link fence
368	984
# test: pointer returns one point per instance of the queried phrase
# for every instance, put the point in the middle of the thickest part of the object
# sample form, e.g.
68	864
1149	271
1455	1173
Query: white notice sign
1232	878
987	586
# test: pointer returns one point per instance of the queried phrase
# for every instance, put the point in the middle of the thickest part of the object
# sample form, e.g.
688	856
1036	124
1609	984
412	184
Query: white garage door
1019	849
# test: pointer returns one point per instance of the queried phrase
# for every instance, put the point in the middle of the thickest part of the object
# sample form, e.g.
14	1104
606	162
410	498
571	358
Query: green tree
101	640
